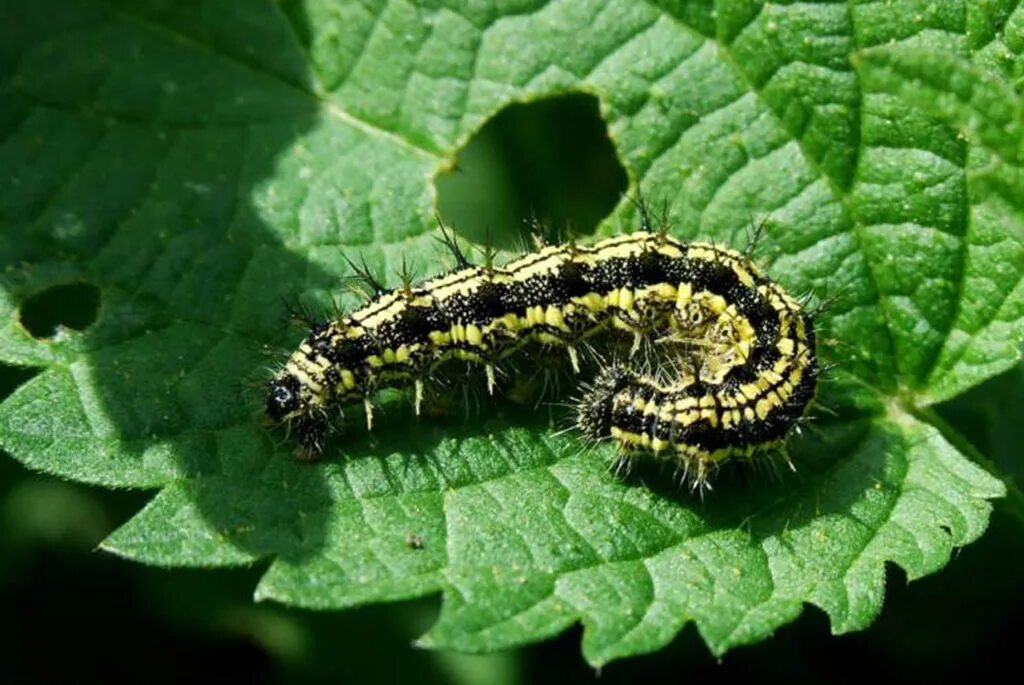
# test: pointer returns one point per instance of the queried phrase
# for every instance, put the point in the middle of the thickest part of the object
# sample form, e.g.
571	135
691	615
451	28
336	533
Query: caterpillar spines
406	277
362	274
295	312
648	222
728	361
448	240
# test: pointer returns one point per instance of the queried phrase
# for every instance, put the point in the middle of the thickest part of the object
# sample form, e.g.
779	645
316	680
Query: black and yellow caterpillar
743	373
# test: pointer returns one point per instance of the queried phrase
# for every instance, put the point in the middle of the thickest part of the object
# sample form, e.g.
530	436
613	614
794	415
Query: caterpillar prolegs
741	350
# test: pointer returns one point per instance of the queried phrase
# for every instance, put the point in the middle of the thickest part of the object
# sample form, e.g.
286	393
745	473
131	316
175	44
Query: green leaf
197	162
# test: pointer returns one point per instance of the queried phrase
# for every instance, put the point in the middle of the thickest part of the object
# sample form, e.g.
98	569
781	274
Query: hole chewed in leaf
551	160
69	305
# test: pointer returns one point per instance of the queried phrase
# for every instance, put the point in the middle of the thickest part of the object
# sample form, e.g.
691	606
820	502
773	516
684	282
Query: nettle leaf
196	162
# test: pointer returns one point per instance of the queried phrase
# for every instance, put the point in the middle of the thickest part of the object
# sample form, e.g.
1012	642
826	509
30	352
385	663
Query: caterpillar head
594	416
291	401
284	397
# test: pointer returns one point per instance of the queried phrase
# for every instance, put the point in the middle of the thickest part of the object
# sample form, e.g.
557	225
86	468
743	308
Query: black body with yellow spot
745	371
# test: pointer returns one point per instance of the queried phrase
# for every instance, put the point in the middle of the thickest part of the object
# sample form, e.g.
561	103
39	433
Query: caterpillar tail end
594	415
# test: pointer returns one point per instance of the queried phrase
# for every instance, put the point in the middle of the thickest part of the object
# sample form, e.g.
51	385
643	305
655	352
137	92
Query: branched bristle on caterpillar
754	236
296	312
712	359
362	274
447	239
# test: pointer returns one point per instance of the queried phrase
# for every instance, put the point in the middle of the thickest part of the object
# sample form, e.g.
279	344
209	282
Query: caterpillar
743	361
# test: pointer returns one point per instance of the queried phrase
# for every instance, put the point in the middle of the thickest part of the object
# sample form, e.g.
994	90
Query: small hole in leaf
551	159
71	305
